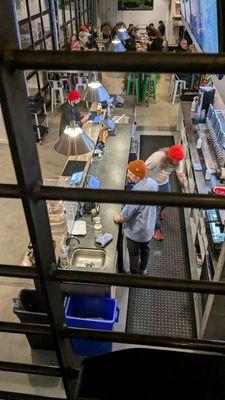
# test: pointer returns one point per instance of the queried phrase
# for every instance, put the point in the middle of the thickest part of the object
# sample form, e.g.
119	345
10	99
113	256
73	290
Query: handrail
147	340
183	200
129	62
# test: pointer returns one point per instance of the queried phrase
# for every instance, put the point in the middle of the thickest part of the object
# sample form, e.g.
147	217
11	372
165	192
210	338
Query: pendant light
74	141
122	34
116	46
95	92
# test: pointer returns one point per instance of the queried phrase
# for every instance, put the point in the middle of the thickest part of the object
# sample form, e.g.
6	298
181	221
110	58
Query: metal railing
34	195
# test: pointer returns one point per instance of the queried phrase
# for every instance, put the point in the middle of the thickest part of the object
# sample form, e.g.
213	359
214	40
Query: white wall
111	14
159	12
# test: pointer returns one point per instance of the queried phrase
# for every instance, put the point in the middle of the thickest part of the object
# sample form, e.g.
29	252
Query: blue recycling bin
92	313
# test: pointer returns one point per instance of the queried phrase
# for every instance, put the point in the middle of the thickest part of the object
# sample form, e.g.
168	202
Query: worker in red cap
160	165
70	112
138	220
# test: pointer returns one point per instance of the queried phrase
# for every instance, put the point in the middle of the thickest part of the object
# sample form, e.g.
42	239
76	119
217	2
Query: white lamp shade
95	92
74	142
116	46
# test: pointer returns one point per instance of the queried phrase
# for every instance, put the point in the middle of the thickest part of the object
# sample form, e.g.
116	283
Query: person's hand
84	119
117	218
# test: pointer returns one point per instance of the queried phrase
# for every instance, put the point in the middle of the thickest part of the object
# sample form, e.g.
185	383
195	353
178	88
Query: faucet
70	236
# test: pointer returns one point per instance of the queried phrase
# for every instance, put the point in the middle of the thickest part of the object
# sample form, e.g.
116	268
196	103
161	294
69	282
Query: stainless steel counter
111	171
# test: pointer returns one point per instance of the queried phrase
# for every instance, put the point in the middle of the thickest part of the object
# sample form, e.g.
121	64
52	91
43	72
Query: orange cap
138	168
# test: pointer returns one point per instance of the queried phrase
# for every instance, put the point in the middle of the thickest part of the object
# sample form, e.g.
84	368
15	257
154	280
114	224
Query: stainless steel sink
88	258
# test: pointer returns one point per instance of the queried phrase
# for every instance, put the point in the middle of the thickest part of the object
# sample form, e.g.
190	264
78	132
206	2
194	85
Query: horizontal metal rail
10	191
23	396
14	271
131	197
146	340
14	327
171	284
30	369
119	196
151	62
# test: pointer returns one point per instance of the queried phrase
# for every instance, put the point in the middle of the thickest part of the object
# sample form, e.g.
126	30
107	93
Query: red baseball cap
73	95
176	152
83	28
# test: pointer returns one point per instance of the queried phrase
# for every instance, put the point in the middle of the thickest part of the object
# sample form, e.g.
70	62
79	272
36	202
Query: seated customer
130	43
74	43
156	41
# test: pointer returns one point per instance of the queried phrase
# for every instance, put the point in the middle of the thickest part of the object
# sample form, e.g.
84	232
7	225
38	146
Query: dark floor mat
157	312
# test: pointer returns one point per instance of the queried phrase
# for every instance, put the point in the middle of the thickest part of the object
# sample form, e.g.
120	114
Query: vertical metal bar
71	18
53	25
42	23
14	104
30	25
64	21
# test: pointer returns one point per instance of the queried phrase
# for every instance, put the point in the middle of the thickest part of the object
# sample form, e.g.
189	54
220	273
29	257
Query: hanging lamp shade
122	34
95	92
73	142
116	46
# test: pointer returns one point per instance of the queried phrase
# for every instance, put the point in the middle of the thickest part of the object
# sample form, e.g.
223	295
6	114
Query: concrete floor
161	116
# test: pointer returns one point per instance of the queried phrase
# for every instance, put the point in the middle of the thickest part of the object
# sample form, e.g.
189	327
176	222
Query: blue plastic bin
92	313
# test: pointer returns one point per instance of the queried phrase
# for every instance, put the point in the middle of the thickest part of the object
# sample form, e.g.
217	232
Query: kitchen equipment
219	190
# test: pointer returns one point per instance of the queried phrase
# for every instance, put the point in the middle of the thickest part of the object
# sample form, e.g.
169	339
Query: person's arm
127	213
183	180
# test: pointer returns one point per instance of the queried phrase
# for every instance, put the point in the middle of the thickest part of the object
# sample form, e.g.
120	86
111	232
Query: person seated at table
130	26
131	43
91	45
74	43
93	31
156	41
84	36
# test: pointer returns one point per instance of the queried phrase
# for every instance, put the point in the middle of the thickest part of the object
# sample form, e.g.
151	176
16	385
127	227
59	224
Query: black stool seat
152	374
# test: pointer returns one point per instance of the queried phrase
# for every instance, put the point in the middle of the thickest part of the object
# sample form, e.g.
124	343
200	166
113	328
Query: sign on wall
130	5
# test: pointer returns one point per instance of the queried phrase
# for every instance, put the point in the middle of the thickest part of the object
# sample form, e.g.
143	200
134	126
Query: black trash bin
29	308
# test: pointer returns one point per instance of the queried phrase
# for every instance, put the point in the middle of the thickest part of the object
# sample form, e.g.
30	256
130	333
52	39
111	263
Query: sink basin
88	258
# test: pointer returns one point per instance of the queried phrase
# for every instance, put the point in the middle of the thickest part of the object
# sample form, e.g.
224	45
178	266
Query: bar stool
171	85
133	85
148	88
56	89
81	84
178	84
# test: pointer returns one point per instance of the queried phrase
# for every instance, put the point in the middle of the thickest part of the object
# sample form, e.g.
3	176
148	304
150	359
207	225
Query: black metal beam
10	191
29	369
119	196
176	285
146	340
13	271
23	396
14	327
145	62
131	197
14	103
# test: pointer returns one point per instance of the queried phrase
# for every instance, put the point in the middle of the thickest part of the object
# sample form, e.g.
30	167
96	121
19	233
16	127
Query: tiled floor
14	235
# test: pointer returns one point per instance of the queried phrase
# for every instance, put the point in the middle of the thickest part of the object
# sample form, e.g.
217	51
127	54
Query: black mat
157	312
73	166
